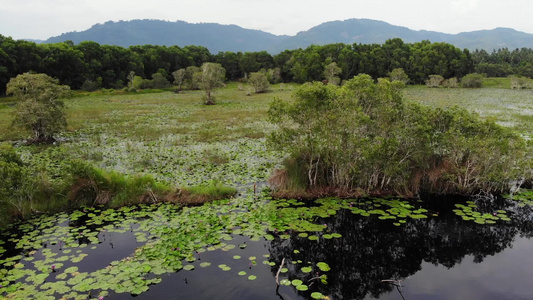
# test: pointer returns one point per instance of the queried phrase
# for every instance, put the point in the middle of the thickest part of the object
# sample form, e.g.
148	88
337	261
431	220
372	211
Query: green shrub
519	83
451	83
434	81
473	80
259	81
399	75
365	136
8	154
25	189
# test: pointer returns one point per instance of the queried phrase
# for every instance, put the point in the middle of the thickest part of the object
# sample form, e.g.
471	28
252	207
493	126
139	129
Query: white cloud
465	6
45	18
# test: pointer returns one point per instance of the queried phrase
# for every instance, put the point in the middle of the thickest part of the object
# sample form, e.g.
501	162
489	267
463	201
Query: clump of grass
200	194
497	82
213	189
93	186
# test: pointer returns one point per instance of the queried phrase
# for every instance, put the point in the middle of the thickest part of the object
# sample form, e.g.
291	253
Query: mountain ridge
218	37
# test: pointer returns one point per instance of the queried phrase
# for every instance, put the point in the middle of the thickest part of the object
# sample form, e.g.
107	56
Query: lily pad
188	267
324	267
296	282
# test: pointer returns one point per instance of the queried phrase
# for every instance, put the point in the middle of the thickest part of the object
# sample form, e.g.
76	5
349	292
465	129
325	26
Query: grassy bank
177	141
26	189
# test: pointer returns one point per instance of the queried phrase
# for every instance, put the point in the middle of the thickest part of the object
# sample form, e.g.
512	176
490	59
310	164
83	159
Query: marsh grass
511	108
180	142
497	82
212	190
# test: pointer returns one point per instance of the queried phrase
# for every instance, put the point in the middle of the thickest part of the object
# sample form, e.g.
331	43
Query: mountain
493	39
217	37
361	31
367	31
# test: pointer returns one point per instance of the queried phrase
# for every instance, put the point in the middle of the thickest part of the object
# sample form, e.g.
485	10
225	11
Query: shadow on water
372	250
439	257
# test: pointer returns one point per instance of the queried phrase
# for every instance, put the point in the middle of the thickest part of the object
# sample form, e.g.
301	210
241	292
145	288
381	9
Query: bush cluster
364	135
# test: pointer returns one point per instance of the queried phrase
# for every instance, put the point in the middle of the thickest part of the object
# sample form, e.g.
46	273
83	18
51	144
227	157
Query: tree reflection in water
373	250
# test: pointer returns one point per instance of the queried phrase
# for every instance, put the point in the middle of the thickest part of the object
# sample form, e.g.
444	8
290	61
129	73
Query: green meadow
179	141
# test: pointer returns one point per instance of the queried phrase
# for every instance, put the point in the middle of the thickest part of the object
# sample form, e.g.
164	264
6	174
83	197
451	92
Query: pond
238	249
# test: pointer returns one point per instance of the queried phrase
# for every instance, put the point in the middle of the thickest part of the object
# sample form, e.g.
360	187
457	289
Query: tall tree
213	76
331	71
40	109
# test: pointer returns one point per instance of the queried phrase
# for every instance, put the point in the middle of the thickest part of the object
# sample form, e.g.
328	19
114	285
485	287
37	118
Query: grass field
511	108
180	141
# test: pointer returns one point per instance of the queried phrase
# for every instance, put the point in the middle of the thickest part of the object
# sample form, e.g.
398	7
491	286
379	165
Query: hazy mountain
492	39
213	36
361	31
35	41
233	38
366	31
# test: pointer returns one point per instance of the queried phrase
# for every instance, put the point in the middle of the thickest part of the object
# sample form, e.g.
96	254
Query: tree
213	75
131	80
473	80
451	83
330	73
399	75
159	81
274	75
190	80
434	81
179	77
519	82
259	81
39	109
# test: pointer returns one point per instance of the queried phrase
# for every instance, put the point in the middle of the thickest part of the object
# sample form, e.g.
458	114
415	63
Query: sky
41	19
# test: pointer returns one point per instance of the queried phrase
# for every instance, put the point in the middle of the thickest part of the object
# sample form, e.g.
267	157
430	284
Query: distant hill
217	37
363	31
213	36
366	31
35	41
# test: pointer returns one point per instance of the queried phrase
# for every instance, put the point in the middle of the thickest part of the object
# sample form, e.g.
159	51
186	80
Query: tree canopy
211	77
105	66
39	109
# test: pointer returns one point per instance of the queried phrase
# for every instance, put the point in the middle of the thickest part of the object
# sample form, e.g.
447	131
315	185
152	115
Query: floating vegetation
471	212
324	267
317	295
524	197
170	239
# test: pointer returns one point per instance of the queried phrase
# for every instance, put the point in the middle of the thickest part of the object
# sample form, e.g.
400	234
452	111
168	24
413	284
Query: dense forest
105	66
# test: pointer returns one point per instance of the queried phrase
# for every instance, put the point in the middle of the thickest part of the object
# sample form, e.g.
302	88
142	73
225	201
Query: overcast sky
41	19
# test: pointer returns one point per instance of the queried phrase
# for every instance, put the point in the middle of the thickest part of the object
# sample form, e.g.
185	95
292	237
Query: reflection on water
439	258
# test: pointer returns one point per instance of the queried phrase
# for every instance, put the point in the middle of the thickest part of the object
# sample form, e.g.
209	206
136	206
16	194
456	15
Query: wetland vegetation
162	140
148	192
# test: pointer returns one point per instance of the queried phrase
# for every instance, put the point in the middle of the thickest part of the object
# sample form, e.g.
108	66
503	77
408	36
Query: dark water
436	258
440	257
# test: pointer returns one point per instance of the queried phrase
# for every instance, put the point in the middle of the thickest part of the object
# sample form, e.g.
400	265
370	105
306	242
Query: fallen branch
397	283
279	270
